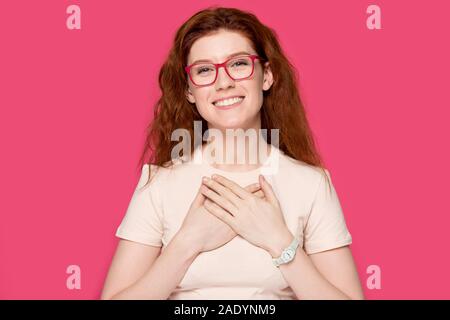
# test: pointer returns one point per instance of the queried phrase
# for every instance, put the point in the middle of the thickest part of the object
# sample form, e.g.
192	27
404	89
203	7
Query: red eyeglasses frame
223	64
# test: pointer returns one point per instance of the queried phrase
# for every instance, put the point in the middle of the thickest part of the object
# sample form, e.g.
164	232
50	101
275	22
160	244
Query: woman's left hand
258	220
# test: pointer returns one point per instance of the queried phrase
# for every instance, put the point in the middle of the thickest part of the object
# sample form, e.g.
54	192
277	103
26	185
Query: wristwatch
288	254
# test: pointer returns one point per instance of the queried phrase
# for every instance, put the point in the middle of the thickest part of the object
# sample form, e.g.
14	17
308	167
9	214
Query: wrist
278	245
185	243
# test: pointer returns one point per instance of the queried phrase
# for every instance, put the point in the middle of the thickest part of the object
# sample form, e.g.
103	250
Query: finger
219	200
253	187
217	211
259	194
223	191
237	189
199	198
268	191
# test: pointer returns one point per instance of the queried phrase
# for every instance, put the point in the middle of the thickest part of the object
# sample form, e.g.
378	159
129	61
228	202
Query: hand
258	220
205	231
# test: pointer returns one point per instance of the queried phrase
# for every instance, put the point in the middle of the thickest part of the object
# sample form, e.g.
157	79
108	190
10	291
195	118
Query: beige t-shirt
238	269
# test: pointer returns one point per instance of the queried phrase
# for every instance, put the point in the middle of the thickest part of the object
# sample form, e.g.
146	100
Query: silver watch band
288	254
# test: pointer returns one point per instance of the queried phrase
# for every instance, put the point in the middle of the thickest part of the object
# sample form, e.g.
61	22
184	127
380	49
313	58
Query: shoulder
302	171
151	175
161	175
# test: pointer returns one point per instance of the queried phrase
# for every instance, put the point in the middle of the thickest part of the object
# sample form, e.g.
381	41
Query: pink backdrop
74	105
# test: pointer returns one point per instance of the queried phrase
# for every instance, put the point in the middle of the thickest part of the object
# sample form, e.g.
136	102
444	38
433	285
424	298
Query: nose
223	80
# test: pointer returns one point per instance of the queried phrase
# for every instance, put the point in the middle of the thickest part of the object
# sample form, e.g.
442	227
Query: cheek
204	111
255	100
201	101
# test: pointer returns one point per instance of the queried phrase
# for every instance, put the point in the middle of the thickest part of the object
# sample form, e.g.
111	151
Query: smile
229	103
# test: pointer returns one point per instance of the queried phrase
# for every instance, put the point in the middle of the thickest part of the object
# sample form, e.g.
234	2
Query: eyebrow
230	56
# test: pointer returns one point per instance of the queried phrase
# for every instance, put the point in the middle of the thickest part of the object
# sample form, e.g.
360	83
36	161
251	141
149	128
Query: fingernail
205	179
214	176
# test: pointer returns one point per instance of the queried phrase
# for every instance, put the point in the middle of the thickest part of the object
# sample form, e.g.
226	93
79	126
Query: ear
189	95
268	77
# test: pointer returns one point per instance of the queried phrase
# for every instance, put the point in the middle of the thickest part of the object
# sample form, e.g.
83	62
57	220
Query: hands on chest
222	209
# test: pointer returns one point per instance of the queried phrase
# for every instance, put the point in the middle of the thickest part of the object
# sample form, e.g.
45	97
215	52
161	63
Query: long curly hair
282	107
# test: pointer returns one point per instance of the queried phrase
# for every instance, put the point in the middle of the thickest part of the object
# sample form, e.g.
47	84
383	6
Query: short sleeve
325	228
143	219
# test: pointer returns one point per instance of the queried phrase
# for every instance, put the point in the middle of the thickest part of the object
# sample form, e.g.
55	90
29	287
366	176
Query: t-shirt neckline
274	151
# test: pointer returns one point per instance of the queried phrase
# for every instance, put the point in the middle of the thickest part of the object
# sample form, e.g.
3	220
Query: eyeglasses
238	68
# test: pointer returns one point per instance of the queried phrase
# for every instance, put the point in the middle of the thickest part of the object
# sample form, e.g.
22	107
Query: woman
213	230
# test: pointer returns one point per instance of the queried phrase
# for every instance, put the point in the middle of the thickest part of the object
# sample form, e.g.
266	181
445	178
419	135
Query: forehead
218	46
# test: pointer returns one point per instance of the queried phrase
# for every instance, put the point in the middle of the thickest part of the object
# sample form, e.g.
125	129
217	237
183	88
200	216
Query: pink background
75	103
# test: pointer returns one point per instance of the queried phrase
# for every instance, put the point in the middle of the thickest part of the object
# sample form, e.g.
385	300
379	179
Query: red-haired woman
208	229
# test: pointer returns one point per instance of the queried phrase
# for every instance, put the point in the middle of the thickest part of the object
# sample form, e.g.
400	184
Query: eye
238	63
203	69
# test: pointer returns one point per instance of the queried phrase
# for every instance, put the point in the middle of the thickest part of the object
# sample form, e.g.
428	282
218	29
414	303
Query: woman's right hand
205	231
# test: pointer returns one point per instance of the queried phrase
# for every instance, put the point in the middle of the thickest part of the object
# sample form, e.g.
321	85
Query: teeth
227	102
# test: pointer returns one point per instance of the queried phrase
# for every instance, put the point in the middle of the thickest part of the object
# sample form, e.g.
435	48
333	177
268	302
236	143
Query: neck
236	149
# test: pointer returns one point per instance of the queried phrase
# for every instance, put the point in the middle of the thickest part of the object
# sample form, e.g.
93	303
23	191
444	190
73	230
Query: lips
232	103
230	97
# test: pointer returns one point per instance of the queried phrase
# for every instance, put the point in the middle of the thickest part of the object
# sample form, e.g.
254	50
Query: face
217	48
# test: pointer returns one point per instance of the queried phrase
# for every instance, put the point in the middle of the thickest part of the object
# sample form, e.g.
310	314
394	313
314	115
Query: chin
233	121
238	124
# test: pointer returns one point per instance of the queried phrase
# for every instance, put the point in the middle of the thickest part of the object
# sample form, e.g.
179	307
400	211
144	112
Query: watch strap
292	249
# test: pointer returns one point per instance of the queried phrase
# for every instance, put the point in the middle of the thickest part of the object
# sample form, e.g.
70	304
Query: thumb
268	191
199	198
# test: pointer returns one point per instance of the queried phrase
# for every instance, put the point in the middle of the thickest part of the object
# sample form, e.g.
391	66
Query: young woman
213	230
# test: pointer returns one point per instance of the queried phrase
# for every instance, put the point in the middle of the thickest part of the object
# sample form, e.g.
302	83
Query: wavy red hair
282	107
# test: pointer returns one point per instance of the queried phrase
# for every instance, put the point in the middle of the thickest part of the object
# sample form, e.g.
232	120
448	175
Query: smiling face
245	114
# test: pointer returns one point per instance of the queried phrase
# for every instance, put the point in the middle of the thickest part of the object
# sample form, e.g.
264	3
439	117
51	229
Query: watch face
287	255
